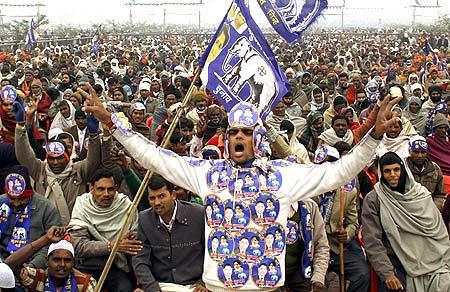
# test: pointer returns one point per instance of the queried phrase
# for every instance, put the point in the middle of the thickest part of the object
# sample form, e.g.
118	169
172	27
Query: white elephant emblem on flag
251	69
19	233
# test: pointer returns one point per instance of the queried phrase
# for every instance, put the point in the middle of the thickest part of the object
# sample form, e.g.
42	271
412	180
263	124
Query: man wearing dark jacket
172	235
425	171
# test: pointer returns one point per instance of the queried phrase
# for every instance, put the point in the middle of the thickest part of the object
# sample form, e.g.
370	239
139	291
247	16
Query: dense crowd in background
66	156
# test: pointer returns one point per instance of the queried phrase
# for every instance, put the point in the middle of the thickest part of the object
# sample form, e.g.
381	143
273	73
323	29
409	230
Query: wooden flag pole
341	245
143	186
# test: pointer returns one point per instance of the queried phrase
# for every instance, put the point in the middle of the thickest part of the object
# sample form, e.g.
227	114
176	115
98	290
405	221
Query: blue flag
239	65
290	18
95	42
31	37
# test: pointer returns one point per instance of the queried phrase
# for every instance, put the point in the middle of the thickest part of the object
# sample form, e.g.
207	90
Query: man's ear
173	195
91	187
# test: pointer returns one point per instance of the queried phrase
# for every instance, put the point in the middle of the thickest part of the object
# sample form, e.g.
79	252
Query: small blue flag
31	37
290	18
95	42
239	65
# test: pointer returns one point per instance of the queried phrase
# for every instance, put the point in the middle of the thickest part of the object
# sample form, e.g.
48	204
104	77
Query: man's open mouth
239	147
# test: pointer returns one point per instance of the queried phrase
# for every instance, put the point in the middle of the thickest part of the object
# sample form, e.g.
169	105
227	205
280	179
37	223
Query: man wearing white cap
144	96
60	274
7	279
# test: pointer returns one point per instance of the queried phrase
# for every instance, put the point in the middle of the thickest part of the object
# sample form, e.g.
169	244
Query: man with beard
199	100
213	117
435	93
58	178
170	97
416	115
292	108
43	101
425	171
310	136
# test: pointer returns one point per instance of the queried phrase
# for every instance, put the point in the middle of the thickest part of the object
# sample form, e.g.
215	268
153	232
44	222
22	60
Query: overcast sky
85	12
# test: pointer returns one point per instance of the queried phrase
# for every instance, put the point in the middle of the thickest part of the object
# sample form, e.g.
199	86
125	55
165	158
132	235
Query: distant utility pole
164	4
131	16
164	19
130	11
199	20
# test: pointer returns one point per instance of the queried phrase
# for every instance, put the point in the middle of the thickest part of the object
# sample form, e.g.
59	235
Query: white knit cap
7	279
144	86
416	86
63	244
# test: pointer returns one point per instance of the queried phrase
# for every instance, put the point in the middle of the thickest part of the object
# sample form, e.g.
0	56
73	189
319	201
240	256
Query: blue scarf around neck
20	235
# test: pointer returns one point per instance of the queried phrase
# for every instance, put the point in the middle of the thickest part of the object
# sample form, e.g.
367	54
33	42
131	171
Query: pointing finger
84	94
384	102
92	92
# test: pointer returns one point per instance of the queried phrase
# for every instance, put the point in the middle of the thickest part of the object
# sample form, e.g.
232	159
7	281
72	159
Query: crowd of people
352	164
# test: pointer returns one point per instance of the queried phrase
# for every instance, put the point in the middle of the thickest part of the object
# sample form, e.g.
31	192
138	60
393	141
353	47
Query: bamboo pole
341	245
143	186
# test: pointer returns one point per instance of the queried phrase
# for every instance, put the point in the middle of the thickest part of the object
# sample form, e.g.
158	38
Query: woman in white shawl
404	232
65	118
